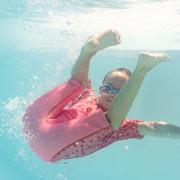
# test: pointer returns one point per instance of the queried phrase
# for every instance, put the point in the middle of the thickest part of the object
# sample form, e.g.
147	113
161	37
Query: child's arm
159	129
52	103
125	98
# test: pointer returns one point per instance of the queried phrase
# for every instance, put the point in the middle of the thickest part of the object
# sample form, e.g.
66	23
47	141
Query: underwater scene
41	41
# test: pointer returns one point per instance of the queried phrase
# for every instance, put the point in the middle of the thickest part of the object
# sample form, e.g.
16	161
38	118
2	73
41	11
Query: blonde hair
125	73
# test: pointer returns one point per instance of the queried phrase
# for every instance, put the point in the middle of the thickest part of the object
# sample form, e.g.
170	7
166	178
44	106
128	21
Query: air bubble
50	13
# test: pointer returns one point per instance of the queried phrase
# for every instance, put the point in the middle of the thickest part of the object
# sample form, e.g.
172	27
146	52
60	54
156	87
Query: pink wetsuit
55	132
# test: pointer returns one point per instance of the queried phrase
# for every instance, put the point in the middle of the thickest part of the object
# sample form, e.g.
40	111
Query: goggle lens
107	88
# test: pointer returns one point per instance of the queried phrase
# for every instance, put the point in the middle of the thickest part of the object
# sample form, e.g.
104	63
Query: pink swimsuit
55	132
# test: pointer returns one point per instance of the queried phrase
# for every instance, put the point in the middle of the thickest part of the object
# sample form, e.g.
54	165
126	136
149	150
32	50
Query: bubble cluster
11	115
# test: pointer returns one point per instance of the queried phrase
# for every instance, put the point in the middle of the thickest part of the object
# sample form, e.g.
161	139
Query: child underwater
90	123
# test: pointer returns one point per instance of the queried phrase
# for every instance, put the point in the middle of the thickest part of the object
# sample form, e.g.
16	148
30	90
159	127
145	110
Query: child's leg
159	129
92	46
125	98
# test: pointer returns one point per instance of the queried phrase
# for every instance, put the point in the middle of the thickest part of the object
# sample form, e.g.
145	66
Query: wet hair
124	71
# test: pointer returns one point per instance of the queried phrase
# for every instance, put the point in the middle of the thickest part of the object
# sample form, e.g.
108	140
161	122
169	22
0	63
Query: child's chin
106	106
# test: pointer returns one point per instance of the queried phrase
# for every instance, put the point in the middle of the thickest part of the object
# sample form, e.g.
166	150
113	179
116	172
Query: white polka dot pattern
99	140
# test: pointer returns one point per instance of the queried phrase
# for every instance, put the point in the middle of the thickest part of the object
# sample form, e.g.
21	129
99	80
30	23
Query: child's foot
147	60
105	39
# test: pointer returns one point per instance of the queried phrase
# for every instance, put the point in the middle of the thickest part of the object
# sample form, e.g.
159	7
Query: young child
90	123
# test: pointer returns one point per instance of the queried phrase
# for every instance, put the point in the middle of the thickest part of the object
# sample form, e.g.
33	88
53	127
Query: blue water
40	41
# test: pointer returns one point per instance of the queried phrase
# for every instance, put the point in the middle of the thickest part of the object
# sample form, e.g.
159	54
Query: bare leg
103	40
159	129
125	98
147	60
93	45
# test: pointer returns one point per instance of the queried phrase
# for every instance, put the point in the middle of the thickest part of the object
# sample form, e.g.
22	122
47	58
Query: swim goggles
107	88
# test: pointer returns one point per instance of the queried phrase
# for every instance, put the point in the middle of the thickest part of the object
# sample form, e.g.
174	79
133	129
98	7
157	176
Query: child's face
105	99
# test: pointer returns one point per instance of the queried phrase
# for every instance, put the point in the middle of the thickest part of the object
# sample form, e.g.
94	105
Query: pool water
40	41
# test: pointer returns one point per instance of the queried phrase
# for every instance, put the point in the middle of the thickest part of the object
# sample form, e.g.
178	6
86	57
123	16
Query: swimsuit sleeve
52	103
86	93
62	95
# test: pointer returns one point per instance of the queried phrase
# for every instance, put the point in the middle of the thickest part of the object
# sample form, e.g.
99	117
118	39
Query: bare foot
147	60
105	39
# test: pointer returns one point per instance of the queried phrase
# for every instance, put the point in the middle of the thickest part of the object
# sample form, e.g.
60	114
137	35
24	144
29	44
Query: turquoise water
40	41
